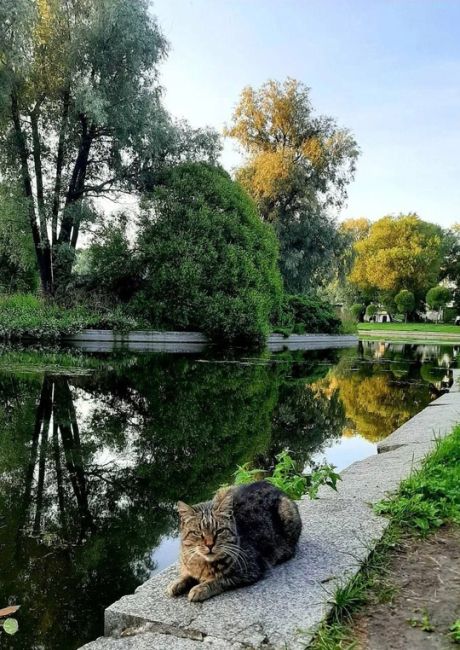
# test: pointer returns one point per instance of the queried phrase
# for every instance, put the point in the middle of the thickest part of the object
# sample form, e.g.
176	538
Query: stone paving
284	610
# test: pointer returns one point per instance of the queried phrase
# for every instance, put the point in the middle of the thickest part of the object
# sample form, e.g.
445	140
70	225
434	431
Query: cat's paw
199	593
176	588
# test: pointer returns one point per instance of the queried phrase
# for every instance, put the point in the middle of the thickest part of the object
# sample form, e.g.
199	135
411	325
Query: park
222	265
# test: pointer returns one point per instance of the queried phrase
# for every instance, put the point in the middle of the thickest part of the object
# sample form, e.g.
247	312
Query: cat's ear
223	502
185	511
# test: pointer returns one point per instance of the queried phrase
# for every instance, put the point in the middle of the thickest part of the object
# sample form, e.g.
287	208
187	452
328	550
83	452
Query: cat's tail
290	519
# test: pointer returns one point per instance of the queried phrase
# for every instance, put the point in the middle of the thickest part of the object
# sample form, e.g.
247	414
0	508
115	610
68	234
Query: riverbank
340	530
408	593
417	332
91	340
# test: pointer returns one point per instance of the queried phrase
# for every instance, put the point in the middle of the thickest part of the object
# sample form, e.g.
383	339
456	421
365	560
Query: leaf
10	626
6	611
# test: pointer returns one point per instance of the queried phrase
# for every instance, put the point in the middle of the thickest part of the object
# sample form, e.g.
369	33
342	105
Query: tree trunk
70	224
43	258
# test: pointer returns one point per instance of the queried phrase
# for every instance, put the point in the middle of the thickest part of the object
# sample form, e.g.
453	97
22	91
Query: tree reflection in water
91	464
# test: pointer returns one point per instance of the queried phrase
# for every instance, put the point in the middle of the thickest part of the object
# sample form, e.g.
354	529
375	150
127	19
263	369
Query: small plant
349	597
454	631
423	623
7	624
287	478
430	498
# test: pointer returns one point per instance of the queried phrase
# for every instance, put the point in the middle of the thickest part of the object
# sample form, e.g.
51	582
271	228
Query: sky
389	70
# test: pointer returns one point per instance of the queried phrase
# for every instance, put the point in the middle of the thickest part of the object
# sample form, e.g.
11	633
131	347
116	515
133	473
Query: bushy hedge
306	314
208	261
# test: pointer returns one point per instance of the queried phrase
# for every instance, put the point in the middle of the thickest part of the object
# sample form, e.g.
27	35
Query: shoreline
340	531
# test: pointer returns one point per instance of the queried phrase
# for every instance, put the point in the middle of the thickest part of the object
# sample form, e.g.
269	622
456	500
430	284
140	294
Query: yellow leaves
399	252
313	150
269	170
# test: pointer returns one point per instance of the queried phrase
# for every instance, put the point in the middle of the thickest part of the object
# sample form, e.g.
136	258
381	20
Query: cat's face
208	530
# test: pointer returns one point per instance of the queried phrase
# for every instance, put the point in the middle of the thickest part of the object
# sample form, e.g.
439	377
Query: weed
423	623
287	478
454	631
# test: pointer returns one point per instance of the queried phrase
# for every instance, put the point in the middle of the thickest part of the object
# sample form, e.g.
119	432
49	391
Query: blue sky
387	69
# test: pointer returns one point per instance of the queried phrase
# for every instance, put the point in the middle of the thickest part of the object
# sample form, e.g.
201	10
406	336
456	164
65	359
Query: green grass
427	500
28	316
411	327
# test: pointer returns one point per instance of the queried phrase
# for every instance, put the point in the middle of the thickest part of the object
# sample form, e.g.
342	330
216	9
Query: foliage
18	270
438	297
27	316
371	310
454	631
227	283
286	477
112	266
401	252
405	302
297	164
81	114
306	314
430	498
357	311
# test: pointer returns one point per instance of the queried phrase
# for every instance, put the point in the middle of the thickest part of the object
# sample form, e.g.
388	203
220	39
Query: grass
28	316
440	328
427	500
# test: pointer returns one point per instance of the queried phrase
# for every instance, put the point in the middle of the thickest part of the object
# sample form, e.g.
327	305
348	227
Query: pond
95	451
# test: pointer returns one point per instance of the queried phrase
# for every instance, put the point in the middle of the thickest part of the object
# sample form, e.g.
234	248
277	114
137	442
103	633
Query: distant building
379	317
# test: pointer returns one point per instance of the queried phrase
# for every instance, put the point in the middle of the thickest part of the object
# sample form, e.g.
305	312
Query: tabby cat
230	541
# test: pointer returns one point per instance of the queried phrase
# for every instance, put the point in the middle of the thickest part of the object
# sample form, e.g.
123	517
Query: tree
405	302
80	114
371	310
450	268
209	263
297	166
437	298
401	252
18	269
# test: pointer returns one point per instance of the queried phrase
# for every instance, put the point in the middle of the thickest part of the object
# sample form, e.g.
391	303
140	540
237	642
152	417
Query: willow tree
298	165
80	114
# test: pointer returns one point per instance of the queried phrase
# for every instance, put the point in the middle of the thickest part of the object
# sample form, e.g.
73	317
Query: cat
230	541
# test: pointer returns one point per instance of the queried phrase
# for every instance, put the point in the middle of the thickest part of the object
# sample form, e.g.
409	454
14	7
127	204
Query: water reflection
91	463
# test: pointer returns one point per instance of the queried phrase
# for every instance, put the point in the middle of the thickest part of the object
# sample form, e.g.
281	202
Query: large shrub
208	262
306	314
112	266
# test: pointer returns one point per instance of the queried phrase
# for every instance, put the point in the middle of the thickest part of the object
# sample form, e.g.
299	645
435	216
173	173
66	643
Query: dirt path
425	602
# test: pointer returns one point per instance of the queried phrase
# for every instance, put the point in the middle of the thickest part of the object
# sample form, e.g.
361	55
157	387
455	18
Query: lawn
411	327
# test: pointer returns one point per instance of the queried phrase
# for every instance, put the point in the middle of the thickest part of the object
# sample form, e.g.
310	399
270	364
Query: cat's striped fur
230	541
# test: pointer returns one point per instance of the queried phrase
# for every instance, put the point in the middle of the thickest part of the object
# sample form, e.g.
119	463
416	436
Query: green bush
306	314
209	263
357	311
112	266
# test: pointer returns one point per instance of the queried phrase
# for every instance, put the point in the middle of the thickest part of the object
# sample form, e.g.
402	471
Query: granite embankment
284	610
189	342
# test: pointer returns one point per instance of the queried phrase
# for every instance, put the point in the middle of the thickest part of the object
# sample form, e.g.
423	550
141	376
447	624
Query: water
95	451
